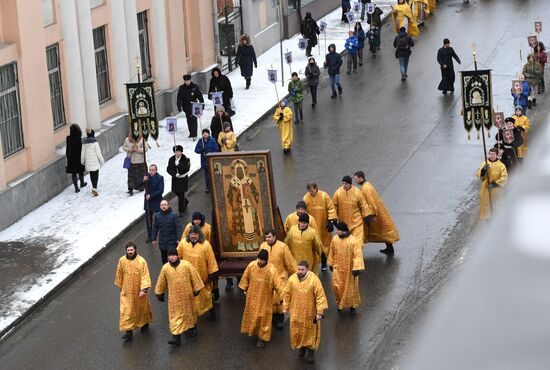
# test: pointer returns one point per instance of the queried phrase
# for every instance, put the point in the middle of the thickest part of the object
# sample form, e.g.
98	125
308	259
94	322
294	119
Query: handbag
127	162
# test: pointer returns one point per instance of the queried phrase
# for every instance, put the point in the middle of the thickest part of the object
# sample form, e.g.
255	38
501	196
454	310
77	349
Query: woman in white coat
91	158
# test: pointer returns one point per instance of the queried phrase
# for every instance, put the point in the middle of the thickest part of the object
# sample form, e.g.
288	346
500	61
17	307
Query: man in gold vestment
260	282
133	280
292	219
198	251
352	208
493	176
381	228
403	17
284	262
304	243
320	206
184	284
346	262
304	299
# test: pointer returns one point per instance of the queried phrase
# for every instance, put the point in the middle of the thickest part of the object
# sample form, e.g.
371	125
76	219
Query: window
101	65
10	117
47	12
56	91
143	35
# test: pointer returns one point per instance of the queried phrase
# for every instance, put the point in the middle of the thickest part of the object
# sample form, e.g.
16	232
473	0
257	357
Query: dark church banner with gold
142	115
476	100
243	200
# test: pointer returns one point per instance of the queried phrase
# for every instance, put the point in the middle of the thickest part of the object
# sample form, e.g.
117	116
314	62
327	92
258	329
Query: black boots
388	249
75	183
280	320
192	332
144	328
352	311
260	343
175	341
302	352
534	102
310	356
229	284
82	183
340	91
212	314
323	262
128	336
247	83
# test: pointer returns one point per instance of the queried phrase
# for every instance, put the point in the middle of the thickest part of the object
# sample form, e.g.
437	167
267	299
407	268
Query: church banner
476	99
142	114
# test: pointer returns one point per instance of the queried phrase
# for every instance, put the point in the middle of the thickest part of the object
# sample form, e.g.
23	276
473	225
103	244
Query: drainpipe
216	30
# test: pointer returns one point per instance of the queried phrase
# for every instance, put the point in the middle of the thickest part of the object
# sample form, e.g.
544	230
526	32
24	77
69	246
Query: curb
170	195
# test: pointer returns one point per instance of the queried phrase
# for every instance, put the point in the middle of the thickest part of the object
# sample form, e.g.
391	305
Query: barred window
10	116
56	90
143	34
101	65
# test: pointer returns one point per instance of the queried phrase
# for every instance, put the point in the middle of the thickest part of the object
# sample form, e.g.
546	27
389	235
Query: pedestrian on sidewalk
309	30
281	258
351	46
178	167
73	151
360	34
380	228
346	7
167	227
521	94
373	35
445	57
283	118
221	83
345	260
227	140
532	72
184	284
189	93
207	144
198	251
542	59
138	168
333	61
91	158
312	73
403	44
260	282
296	91
133	280
246	58
220	118
305	301
154	187
493	176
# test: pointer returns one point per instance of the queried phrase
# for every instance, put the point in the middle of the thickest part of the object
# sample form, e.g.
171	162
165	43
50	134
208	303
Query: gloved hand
484	170
281	115
160	297
211	277
355	273
194	293
329	227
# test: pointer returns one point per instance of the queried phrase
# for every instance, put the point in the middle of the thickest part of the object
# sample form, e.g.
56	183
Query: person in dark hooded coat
220	82
73	150
220	118
333	61
246	58
178	167
309	29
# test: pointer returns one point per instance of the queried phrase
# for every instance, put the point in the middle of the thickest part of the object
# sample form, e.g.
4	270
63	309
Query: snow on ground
79	225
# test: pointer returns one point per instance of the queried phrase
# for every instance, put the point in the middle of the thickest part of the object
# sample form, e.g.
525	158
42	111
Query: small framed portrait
172	125
370	8
356	6
322	26
272	75
196	109
517	86
498	119
532	40
538	26
288	57
351	17
217	98
302	44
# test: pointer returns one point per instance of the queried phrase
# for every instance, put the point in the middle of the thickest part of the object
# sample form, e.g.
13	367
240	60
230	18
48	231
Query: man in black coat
220	83
178	167
445	57
403	44
167	227
188	93
246	58
333	61
309	29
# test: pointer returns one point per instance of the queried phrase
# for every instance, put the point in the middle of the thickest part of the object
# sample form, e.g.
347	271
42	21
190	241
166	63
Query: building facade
66	61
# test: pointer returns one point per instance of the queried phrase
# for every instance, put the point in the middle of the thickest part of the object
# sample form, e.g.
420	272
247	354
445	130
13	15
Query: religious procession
278	197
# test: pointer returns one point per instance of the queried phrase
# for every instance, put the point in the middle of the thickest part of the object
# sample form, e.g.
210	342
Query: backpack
403	42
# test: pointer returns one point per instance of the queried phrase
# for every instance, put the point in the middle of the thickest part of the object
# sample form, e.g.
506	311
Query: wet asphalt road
410	141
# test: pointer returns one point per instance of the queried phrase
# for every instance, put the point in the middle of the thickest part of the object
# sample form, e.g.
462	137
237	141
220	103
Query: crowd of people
323	233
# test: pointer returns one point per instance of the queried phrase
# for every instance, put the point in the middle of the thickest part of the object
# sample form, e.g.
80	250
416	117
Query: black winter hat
301	204
304	218
172	252
346	179
263	255
177	148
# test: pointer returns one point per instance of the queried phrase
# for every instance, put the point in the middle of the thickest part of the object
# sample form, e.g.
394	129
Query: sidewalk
48	245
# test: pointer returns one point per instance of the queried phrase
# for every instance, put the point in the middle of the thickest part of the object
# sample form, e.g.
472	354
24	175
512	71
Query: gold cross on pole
474	52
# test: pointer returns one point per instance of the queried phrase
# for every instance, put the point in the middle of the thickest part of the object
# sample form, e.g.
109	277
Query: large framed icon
243	201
